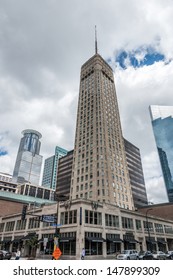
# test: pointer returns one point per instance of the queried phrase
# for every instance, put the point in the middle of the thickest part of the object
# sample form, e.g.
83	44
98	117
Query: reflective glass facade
162	122
28	162
51	167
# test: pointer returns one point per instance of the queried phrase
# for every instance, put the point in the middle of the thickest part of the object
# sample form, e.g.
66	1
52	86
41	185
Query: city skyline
40	72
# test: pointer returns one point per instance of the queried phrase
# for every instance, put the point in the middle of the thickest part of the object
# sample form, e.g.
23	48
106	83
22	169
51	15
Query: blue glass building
162	123
29	161
50	168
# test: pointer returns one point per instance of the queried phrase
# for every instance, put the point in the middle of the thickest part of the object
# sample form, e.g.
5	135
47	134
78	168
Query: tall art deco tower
99	170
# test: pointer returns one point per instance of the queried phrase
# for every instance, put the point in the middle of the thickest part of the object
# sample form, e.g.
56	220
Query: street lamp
147	223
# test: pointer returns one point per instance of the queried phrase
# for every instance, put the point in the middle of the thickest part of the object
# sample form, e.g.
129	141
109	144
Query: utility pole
147	223
58	198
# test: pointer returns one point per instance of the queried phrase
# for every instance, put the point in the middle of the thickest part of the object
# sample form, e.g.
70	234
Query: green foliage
33	242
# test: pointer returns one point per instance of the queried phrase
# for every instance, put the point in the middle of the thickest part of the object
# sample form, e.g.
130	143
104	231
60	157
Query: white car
169	255
159	255
128	255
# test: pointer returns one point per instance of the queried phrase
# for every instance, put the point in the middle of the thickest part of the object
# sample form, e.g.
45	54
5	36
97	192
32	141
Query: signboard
57	253
48	219
45	242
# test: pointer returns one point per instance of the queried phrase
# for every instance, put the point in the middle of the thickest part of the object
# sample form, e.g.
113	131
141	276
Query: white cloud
42	47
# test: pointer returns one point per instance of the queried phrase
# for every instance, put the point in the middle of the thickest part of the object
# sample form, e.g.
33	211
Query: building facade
29	161
64	175
102	229
51	167
99	168
162	123
136	174
4	177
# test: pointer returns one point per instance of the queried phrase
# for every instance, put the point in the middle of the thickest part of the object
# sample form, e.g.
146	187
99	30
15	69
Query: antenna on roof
96	50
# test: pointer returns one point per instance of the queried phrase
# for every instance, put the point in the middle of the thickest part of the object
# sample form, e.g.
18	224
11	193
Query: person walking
18	254
83	254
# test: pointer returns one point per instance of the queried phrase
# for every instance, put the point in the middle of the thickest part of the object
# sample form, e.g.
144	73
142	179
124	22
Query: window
138	225
111	220
10	226
68	217
127	223
92	217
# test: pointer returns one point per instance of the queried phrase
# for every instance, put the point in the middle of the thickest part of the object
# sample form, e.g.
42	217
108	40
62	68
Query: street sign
48	218
56	225
45	242
57	253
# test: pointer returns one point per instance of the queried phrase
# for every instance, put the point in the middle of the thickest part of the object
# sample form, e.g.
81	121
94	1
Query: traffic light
57	232
24	212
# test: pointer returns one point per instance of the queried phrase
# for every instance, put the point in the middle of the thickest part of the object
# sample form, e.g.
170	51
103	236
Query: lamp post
147	223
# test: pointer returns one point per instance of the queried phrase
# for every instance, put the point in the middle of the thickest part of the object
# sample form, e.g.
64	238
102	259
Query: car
1	255
145	255
128	255
159	255
6	255
169	255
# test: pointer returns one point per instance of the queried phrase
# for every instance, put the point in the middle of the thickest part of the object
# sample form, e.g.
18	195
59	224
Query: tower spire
96	50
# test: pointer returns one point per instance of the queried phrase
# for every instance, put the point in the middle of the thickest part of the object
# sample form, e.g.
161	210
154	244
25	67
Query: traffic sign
48	218
56	225
57	253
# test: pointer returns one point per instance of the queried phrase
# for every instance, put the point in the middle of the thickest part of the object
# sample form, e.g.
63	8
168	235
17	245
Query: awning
132	241
67	239
161	241
151	241
17	240
29	236
114	240
95	239
6	241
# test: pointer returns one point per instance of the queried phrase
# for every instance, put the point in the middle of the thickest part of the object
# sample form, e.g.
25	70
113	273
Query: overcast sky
43	44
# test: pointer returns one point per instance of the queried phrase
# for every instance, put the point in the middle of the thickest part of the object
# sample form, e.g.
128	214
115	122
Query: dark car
145	255
1	255
6	255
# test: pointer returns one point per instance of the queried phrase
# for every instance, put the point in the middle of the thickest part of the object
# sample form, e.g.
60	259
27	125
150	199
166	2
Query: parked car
128	255
145	255
1	255
169	255
159	255
6	255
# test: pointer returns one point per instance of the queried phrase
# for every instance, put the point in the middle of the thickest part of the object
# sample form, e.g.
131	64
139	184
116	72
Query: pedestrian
83	254
18	254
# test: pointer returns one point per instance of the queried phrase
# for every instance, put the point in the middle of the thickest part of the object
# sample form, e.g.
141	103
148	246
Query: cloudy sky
43	44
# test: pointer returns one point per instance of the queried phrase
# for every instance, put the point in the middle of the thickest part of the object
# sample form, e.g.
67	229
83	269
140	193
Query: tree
33	242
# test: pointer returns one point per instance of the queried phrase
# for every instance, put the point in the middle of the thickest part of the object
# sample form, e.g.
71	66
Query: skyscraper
136	174
64	175
99	170
50	168
162	123
28	162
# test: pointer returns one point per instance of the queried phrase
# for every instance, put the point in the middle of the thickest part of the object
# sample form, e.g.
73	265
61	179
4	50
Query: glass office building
50	168
162	123
29	161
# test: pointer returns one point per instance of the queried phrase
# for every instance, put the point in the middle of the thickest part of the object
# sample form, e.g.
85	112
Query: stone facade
102	229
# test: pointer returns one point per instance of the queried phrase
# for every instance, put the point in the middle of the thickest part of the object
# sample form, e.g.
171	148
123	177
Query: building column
80	234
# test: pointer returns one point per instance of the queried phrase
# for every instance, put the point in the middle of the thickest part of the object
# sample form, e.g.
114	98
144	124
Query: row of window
91	217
